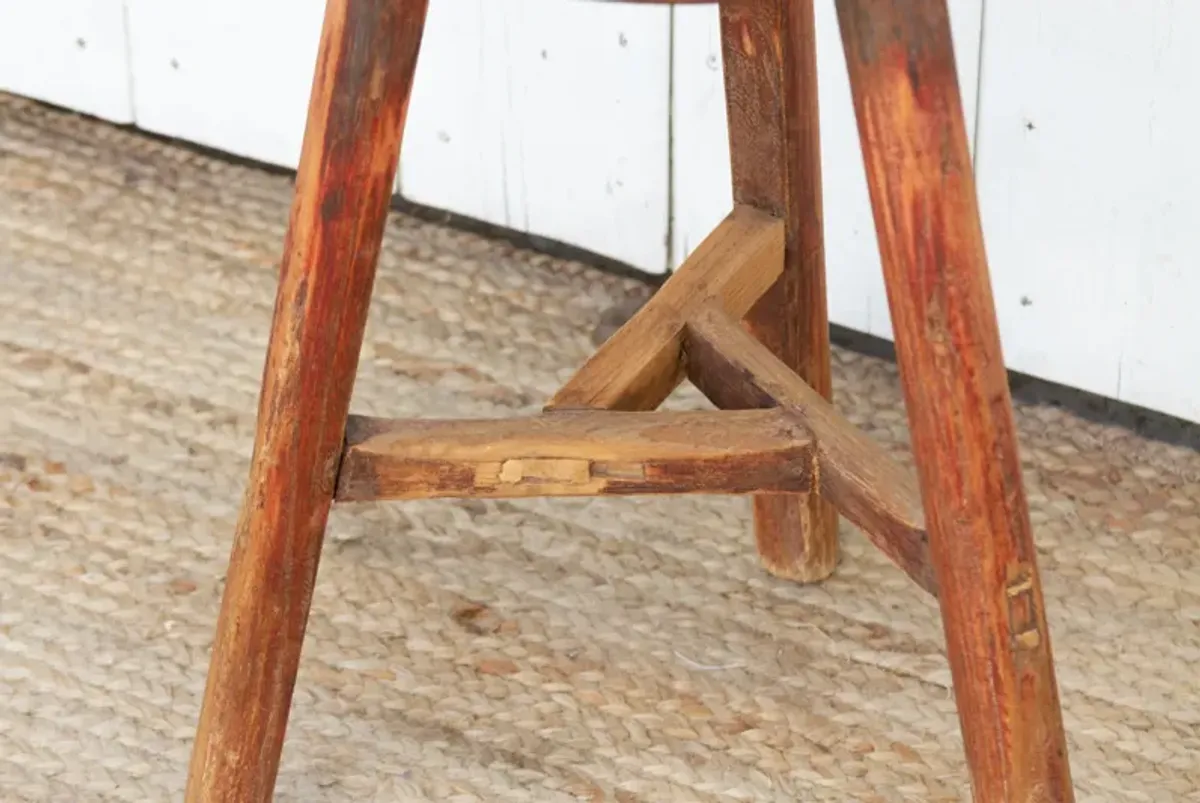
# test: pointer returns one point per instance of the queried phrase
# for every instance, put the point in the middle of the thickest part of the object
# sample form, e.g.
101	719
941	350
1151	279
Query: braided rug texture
605	650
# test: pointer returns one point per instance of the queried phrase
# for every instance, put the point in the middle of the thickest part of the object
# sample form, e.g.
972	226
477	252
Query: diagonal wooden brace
639	366
866	484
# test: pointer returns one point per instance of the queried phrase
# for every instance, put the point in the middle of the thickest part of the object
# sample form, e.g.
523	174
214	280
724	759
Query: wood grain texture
639	366
364	72
584	453
870	488
769	49
909	114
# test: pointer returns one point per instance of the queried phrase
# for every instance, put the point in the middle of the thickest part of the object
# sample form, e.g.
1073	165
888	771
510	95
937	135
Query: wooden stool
744	319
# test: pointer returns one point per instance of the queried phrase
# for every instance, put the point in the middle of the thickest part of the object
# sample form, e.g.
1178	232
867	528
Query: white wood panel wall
603	126
72	53
548	117
228	74
453	155
1088	179
538	115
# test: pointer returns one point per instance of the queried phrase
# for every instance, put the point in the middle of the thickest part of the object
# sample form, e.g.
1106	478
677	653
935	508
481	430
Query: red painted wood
360	93
910	121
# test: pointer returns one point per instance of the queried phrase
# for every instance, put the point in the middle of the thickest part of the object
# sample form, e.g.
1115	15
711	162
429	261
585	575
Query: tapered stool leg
364	73
911	125
771	91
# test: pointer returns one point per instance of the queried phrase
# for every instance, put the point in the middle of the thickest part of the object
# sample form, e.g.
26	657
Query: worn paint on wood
360	94
918	165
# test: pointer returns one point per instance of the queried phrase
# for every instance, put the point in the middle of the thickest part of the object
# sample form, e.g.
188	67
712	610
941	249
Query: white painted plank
571	146
453	152
1162	343
229	74
236	75
546	117
587	138
1088	174
72	53
702	195
549	118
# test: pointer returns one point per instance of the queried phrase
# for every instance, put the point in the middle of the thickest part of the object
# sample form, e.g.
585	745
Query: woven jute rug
609	650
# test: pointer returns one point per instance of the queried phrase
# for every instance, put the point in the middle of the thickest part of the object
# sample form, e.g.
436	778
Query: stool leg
913	133
771	93
360	93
